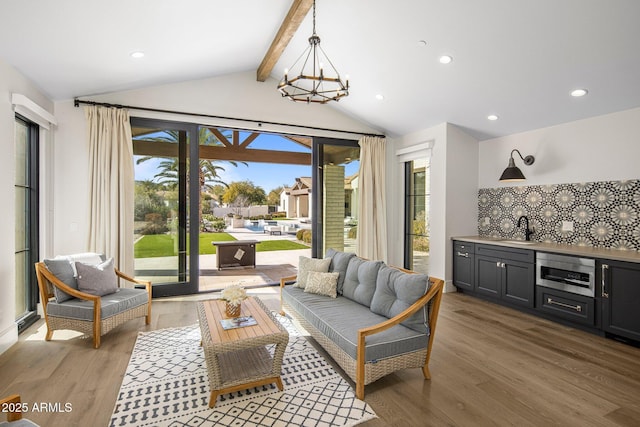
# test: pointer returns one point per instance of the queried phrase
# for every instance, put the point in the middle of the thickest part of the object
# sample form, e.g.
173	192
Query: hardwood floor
490	366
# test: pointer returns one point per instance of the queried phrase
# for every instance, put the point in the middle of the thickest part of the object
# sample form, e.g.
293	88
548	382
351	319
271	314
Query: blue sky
266	175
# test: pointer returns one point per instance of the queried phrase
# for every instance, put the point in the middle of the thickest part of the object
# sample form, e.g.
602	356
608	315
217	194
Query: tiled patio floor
270	266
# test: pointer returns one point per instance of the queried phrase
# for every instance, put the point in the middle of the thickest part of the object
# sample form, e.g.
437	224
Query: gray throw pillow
339	262
62	269
396	291
360	280
98	279
305	265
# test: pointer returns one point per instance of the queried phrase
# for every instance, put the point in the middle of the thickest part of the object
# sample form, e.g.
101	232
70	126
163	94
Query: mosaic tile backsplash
602	214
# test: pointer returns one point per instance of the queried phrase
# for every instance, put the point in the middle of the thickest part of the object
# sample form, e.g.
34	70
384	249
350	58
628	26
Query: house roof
517	59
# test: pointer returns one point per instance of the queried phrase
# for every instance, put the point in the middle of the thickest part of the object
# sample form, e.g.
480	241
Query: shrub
353	232
306	235
154	228
218	225
299	234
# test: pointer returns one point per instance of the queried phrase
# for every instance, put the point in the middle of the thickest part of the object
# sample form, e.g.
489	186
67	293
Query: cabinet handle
498	264
502	265
605	268
466	254
577	308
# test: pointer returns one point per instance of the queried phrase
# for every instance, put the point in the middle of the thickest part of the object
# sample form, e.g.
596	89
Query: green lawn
157	245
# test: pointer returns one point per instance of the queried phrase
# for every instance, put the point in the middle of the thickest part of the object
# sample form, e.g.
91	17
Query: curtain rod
77	102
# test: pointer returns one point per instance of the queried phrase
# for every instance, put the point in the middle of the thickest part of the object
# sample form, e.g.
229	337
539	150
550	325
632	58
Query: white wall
603	148
11	81
453	208
235	95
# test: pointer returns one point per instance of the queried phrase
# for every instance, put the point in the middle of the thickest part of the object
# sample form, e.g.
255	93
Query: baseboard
449	286
8	337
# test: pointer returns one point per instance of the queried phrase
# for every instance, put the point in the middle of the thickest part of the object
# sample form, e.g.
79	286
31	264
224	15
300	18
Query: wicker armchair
14	408
90	314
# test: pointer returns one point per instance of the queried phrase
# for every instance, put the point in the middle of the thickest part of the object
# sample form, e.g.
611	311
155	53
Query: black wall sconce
512	172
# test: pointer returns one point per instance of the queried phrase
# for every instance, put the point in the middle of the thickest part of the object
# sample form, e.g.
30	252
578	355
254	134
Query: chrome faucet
528	231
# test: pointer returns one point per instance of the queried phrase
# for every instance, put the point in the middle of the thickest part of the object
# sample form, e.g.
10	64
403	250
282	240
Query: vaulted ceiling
517	59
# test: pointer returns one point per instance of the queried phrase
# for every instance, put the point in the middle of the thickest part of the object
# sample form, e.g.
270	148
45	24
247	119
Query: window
417	185
26	221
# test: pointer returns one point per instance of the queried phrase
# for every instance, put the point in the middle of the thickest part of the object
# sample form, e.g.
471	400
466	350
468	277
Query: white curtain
371	240
111	184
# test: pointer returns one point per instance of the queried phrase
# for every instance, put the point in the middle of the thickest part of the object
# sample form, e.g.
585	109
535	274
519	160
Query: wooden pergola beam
297	12
237	153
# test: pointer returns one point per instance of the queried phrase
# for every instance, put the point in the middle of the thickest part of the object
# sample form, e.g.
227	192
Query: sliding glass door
166	206
336	164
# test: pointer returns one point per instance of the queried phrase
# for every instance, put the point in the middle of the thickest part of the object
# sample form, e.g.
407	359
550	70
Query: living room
574	140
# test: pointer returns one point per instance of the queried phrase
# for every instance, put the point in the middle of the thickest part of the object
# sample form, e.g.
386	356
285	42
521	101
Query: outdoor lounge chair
68	305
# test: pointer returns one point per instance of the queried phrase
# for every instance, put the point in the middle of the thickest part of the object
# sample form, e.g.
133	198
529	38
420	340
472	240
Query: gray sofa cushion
339	319
360	280
61	268
396	291
339	263
110	305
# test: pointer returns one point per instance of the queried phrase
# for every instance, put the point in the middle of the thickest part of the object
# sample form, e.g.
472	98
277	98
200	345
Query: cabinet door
518	283
463	266
620	296
488	275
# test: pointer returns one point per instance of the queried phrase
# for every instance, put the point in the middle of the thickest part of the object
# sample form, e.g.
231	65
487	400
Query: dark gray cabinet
464	265
620	298
505	273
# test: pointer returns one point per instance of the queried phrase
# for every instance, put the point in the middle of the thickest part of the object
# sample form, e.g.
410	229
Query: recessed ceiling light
579	92
445	59
492	117
137	54
379	97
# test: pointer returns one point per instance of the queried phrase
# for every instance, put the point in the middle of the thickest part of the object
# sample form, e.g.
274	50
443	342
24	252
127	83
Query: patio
270	265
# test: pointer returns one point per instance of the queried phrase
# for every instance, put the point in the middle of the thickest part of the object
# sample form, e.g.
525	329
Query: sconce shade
512	172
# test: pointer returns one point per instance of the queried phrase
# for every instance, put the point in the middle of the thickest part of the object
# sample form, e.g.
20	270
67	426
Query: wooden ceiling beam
297	12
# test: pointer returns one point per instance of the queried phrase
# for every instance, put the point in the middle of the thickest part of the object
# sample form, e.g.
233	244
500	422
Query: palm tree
208	170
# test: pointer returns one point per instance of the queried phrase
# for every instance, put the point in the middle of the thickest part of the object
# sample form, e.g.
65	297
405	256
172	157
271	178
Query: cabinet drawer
577	308
516	254
463	249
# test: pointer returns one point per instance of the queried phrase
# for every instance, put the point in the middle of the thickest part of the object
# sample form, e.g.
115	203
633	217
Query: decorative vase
232	310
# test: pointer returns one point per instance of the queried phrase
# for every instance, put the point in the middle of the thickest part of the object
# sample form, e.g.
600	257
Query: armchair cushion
110	305
396	291
97	279
62	269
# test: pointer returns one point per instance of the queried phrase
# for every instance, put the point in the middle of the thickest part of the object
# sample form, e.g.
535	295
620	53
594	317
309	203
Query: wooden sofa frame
95	327
361	371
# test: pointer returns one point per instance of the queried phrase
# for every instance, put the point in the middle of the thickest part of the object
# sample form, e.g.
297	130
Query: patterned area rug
166	384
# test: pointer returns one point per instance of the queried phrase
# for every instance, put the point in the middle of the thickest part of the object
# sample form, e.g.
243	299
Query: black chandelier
310	82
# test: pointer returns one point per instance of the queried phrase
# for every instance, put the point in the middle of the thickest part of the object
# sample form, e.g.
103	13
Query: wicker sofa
381	320
67	306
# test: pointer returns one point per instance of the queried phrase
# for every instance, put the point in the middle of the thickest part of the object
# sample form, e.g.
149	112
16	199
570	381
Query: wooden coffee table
237	359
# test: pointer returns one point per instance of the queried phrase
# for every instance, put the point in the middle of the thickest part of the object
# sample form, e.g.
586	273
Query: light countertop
582	251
